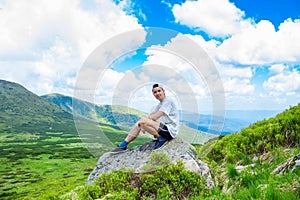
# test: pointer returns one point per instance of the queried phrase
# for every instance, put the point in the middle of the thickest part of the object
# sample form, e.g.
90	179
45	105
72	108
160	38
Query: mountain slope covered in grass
263	136
116	115
22	110
41	153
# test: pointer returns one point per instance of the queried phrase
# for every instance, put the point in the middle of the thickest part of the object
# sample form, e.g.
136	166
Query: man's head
158	92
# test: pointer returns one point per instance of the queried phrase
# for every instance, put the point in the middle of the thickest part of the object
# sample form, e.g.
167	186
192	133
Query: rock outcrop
289	165
138	157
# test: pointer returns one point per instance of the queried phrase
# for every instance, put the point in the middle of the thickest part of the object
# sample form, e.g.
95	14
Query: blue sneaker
158	144
119	149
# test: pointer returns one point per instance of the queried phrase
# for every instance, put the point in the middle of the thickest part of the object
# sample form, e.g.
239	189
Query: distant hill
233	121
121	116
125	117
24	111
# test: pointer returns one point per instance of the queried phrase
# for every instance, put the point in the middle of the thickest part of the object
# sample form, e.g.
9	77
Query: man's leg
150	126
146	124
153	128
133	133
160	131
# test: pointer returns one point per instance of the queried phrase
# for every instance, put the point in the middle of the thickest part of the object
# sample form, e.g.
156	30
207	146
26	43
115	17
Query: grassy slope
119	115
40	150
22	110
263	136
266	144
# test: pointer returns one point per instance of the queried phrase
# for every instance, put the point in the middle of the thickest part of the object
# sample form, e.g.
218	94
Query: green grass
34	166
41	177
42	165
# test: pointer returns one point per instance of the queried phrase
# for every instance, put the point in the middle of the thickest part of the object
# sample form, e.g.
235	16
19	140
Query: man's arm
155	116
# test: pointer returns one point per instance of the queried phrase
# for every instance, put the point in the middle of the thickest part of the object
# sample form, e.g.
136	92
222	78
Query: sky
251	48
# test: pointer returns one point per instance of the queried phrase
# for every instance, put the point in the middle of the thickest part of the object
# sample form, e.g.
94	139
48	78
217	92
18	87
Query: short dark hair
155	85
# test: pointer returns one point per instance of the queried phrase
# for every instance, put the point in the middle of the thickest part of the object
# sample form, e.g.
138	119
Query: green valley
43	157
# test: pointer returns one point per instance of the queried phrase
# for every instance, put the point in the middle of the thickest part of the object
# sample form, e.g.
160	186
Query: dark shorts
164	132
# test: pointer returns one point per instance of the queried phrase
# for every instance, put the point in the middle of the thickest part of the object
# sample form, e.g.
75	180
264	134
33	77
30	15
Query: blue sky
254	46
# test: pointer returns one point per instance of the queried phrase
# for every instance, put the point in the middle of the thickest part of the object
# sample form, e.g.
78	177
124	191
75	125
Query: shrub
171	182
263	136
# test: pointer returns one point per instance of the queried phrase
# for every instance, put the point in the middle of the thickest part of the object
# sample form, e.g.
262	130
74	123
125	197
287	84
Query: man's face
159	93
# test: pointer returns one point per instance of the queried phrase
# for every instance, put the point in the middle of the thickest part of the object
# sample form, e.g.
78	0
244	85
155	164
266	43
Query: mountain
39	145
251	116
24	111
123	117
117	115
120	117
233	121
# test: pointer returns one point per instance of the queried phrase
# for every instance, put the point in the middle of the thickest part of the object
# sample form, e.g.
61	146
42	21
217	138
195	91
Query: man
164	130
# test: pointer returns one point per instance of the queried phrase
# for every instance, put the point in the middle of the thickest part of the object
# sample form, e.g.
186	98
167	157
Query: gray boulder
137	159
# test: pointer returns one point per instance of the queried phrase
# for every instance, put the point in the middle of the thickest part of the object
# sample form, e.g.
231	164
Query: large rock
138	157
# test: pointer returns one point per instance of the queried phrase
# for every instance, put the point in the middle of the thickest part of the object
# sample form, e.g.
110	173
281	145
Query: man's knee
143	122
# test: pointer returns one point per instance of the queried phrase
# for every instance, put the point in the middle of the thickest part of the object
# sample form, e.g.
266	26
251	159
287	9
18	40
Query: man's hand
150	117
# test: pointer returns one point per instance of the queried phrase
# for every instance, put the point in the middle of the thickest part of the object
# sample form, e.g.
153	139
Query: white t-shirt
171	115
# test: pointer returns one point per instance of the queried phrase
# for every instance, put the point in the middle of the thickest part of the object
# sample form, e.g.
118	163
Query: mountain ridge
117	115
21	110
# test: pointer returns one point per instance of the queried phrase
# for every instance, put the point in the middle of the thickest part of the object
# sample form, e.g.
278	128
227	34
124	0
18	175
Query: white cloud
236	81
186	56
173	67
56	62
285	83
277	68
261	44
218	18
230	71
242	42
106	86
249	43
209	46
239	86
49	40
187	69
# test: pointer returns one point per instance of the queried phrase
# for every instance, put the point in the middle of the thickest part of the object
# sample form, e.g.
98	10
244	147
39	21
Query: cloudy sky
253	45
